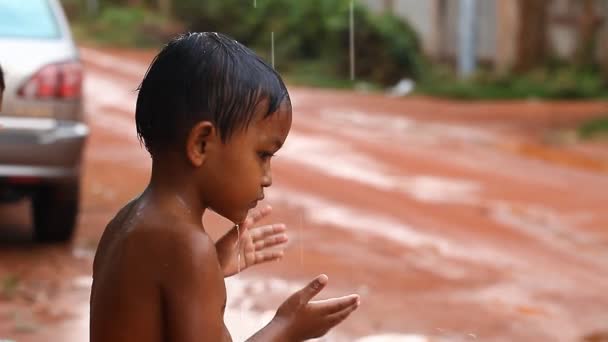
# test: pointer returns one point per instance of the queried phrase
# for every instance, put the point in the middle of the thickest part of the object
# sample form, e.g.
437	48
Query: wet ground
454	221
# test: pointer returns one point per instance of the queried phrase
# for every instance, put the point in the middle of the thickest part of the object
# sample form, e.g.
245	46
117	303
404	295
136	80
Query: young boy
212	114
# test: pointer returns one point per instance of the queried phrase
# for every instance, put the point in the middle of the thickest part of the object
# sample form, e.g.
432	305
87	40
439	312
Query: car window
27	19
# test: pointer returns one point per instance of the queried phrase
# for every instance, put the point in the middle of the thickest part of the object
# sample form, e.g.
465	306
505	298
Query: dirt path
452	220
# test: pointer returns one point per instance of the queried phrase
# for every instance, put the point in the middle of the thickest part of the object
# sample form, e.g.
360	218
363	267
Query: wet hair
203	77
2	85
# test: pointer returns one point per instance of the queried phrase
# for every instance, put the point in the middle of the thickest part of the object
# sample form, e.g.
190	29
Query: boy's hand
302	319
257	244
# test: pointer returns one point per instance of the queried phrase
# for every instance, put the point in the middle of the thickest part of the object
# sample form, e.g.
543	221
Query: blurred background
448	160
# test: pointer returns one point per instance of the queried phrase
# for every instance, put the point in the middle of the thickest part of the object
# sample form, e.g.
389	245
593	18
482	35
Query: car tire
55	209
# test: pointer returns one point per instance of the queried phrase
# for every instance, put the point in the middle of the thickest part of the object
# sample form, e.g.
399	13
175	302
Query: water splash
183	204
238	248
238	260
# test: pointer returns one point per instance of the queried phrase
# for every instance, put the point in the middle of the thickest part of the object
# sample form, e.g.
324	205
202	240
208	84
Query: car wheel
55	208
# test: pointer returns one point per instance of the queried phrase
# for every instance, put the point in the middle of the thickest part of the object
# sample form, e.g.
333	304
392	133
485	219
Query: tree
532	42
165	7
506	40
604	58
604	47
389	6
589	25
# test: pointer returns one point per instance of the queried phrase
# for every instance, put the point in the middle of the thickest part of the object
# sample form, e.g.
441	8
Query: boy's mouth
255	203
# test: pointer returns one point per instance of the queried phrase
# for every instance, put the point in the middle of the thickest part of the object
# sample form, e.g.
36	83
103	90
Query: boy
212	114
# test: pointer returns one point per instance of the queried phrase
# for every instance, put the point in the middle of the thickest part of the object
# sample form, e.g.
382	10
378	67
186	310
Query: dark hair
203	77
2	85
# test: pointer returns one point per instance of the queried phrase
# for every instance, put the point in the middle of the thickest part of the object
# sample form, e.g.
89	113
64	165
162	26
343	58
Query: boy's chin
236	217
243	216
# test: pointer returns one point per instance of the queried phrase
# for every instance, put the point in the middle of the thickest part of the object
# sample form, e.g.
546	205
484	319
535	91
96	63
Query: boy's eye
265	155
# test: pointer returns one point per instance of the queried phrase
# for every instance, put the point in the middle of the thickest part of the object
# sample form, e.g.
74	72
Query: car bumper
41	147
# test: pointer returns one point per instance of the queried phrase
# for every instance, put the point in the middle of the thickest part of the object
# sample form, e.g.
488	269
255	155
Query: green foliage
594	128
73	8
8	286
556	82
387	49
125	26
311	37
316	74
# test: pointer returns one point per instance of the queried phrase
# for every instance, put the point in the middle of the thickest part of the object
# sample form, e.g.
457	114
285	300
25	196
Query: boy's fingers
337	317
259	232
271	241
312	289
268	230
259	214
333	305
249	248
267	256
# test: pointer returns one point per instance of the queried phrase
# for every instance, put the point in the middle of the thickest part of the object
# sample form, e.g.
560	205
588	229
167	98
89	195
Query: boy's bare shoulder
184	241
175	248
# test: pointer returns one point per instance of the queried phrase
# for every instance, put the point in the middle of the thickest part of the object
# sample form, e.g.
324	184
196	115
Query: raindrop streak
183	204
238	262
352	40
255	4
272	48
238	249
300	239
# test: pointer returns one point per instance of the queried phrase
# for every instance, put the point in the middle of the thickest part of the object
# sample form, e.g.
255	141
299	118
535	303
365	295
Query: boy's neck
167	188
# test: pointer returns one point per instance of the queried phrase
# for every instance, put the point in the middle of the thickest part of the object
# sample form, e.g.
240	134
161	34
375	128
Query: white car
42	131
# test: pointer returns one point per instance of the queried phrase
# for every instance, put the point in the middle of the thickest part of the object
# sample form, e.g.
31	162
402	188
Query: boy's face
237	172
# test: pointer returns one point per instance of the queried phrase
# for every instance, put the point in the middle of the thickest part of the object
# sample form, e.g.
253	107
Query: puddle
114	93
123	65
556	156
558	231
248	310
246	313
532	303
243	320
321	211
543	223
370	121
102	110
346	163
310	150
431	189
366	124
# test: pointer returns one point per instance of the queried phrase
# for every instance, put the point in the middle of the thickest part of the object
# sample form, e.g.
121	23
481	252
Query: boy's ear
202	136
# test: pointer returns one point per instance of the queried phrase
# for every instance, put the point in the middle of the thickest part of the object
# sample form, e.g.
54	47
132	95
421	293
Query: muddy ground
454	221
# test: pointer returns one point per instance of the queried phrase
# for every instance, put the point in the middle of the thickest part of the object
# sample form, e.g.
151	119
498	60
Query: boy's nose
267	180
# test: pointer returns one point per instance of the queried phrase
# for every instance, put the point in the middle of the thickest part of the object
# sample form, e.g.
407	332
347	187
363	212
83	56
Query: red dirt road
454	221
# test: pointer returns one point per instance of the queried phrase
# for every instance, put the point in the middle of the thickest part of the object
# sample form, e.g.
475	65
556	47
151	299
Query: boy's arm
273	332
193	290
194	298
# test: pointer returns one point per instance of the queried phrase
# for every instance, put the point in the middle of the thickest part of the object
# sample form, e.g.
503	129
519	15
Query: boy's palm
257	244
303	319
